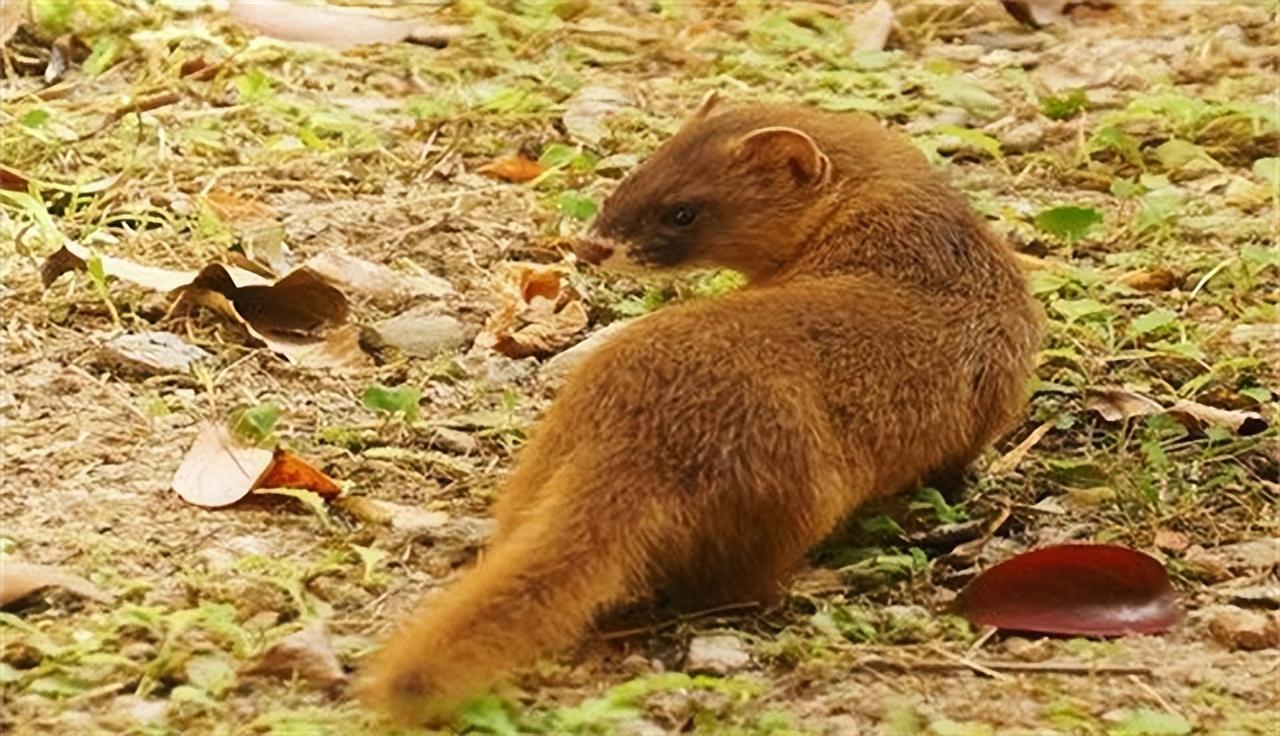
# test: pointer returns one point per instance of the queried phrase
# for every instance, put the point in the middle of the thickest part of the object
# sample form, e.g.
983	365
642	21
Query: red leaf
1074	589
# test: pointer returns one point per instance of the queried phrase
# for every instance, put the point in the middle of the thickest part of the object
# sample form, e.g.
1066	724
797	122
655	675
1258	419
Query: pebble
1241	629
421	335
718	654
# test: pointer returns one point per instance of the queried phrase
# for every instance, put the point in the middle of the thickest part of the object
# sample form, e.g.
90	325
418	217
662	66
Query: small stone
1028	650
1239	629
421	335
1252	555
719	655
452	440
559	365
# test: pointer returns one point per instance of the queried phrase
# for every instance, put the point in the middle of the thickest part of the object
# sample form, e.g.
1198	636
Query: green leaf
1268	169
946	513
956	90
254	85
400	400
59	685
255	423
1175	154
370	558
211	674
1152	321
557	154
53	15
489	714
577	205
1076	309
1068	223
1126	188
1146	722
1157	208
36	117
974	139
1065	106
106	51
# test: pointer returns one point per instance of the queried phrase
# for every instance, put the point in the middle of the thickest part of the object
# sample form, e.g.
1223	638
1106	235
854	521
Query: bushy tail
535	592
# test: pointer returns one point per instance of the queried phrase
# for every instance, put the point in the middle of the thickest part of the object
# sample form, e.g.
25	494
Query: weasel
885	336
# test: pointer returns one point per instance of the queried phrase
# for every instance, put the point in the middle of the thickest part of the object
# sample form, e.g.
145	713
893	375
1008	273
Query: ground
1127	152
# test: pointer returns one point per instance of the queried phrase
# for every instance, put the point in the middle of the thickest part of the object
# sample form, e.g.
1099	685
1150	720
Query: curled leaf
1074	589
540	316
219	471
21	579
1116	404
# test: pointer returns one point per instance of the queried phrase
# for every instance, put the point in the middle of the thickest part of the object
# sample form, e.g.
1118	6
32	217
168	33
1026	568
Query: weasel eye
682	215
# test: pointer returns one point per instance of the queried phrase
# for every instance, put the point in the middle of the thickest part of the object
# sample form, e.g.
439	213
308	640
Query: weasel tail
536	590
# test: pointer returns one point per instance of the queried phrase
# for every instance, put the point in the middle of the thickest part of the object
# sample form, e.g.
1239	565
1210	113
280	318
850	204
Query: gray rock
453	440
151	353
718	654
421	335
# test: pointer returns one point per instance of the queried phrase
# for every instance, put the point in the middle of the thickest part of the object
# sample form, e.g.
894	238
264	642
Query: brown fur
885	335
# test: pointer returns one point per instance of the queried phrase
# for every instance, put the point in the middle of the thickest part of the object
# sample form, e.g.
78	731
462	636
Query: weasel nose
593	250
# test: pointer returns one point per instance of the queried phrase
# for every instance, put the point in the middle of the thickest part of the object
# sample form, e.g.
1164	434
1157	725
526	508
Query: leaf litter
187	104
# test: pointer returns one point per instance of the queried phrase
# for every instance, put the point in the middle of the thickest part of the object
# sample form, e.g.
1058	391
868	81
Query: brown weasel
885	335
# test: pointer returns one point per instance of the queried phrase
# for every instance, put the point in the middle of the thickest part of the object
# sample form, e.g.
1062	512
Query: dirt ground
1162	281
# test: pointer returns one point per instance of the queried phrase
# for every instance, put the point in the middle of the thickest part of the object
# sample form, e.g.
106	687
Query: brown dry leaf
72	257
1011	459
21	579
307	653
515	168
335	27
217	470
1150	279
301	303
13	13
375	280
540	316
873	27
1116	404
290	471
1197	416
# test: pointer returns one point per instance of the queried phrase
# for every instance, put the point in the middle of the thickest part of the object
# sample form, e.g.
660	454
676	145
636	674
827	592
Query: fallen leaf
375	280
301	303
150	352
514	168
1074	589
290	471
539	317
1197	416
73	257
13	13
307	654
586	112
1116	404
1010	460
336	27
1150	279
394	515
21	579
873	27
1168	540
217	471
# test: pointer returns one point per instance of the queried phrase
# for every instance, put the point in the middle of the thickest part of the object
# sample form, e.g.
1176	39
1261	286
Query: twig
978	667
685	618
1059	668
146	104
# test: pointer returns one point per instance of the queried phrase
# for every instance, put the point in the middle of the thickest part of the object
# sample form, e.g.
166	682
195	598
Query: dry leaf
21	579
13	13
514	168
540	316
151	352
301	303
1117	404
873	27
378	282
1011	459
1197	416
289	471
587	110
236	210
217	470
1150	279
307	653
394	515
72	257
330	26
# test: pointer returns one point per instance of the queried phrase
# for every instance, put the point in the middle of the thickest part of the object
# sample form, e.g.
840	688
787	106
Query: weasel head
736	187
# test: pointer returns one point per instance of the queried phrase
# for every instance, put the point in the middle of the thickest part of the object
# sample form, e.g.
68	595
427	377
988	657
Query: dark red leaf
1074	589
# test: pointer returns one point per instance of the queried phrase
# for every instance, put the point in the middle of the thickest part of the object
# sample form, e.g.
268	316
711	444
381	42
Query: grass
1147	194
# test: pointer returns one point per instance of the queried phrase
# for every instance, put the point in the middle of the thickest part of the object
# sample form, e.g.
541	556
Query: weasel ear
789	149
709	102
